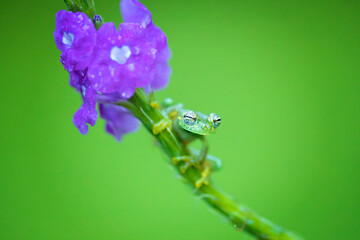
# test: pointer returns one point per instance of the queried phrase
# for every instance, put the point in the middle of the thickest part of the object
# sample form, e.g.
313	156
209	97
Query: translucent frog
188	126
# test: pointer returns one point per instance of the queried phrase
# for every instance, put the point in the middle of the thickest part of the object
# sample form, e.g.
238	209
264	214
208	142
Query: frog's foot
188	162
172	114
205	175
161	126
153	102
215	162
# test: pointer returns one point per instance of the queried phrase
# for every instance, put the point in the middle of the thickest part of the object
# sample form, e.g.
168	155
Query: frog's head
199	123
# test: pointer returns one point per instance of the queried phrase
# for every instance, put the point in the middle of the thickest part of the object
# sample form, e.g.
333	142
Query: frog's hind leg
205	167
205	174
215	162
208	163
188	162
204	151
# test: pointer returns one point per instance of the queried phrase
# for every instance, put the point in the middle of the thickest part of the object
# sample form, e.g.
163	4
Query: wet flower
133	11
75	36
109	64
87	112
123	60
134	56
119	120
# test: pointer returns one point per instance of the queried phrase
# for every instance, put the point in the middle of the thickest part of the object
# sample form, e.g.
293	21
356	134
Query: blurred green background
284	76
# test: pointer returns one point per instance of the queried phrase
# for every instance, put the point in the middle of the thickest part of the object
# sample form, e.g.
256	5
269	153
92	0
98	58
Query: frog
188	126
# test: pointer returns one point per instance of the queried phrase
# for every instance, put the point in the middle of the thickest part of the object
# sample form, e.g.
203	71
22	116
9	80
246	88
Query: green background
284	76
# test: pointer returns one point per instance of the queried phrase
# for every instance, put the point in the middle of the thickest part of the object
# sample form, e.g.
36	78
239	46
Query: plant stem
240	216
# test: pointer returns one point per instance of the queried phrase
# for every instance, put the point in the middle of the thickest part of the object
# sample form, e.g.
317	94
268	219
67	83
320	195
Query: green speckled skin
186	133
203	125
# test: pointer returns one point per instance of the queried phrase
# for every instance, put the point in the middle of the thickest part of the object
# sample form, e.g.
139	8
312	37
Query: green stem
240	216
85	6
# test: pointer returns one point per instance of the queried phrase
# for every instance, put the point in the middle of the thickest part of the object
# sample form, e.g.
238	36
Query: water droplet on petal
80	17
120	55
68	39
137	50
112	71
153	52
145	21
83	90
85	27
131	67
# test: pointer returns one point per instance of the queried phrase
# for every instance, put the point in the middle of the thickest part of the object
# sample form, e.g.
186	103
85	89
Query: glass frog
188	126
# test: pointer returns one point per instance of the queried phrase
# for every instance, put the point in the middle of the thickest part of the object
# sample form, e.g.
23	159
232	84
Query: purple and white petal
87	113
75	36
133	11
123	60
119	121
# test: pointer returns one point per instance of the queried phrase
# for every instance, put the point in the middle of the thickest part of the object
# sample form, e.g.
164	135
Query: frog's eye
216	119
189	118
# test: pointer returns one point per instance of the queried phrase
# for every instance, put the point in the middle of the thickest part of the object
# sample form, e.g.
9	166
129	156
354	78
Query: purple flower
109	64
119	121
133	11
134	56
123	60
87	112
75	36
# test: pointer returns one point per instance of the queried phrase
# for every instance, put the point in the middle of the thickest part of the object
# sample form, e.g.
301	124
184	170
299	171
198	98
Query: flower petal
87	112
75	36
119	120
123	60
133	11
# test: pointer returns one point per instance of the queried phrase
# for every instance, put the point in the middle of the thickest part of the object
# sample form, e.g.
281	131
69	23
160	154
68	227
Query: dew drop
137	50
153	52
85	27
145	21
131	67
80	17
83	90
68	39
120	55
112	71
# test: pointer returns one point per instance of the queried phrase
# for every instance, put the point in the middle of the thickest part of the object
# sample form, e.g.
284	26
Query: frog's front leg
161	126
153	102
169	112
163	123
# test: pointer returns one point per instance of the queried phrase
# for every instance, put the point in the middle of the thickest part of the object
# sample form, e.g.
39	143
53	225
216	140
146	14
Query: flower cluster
111	62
